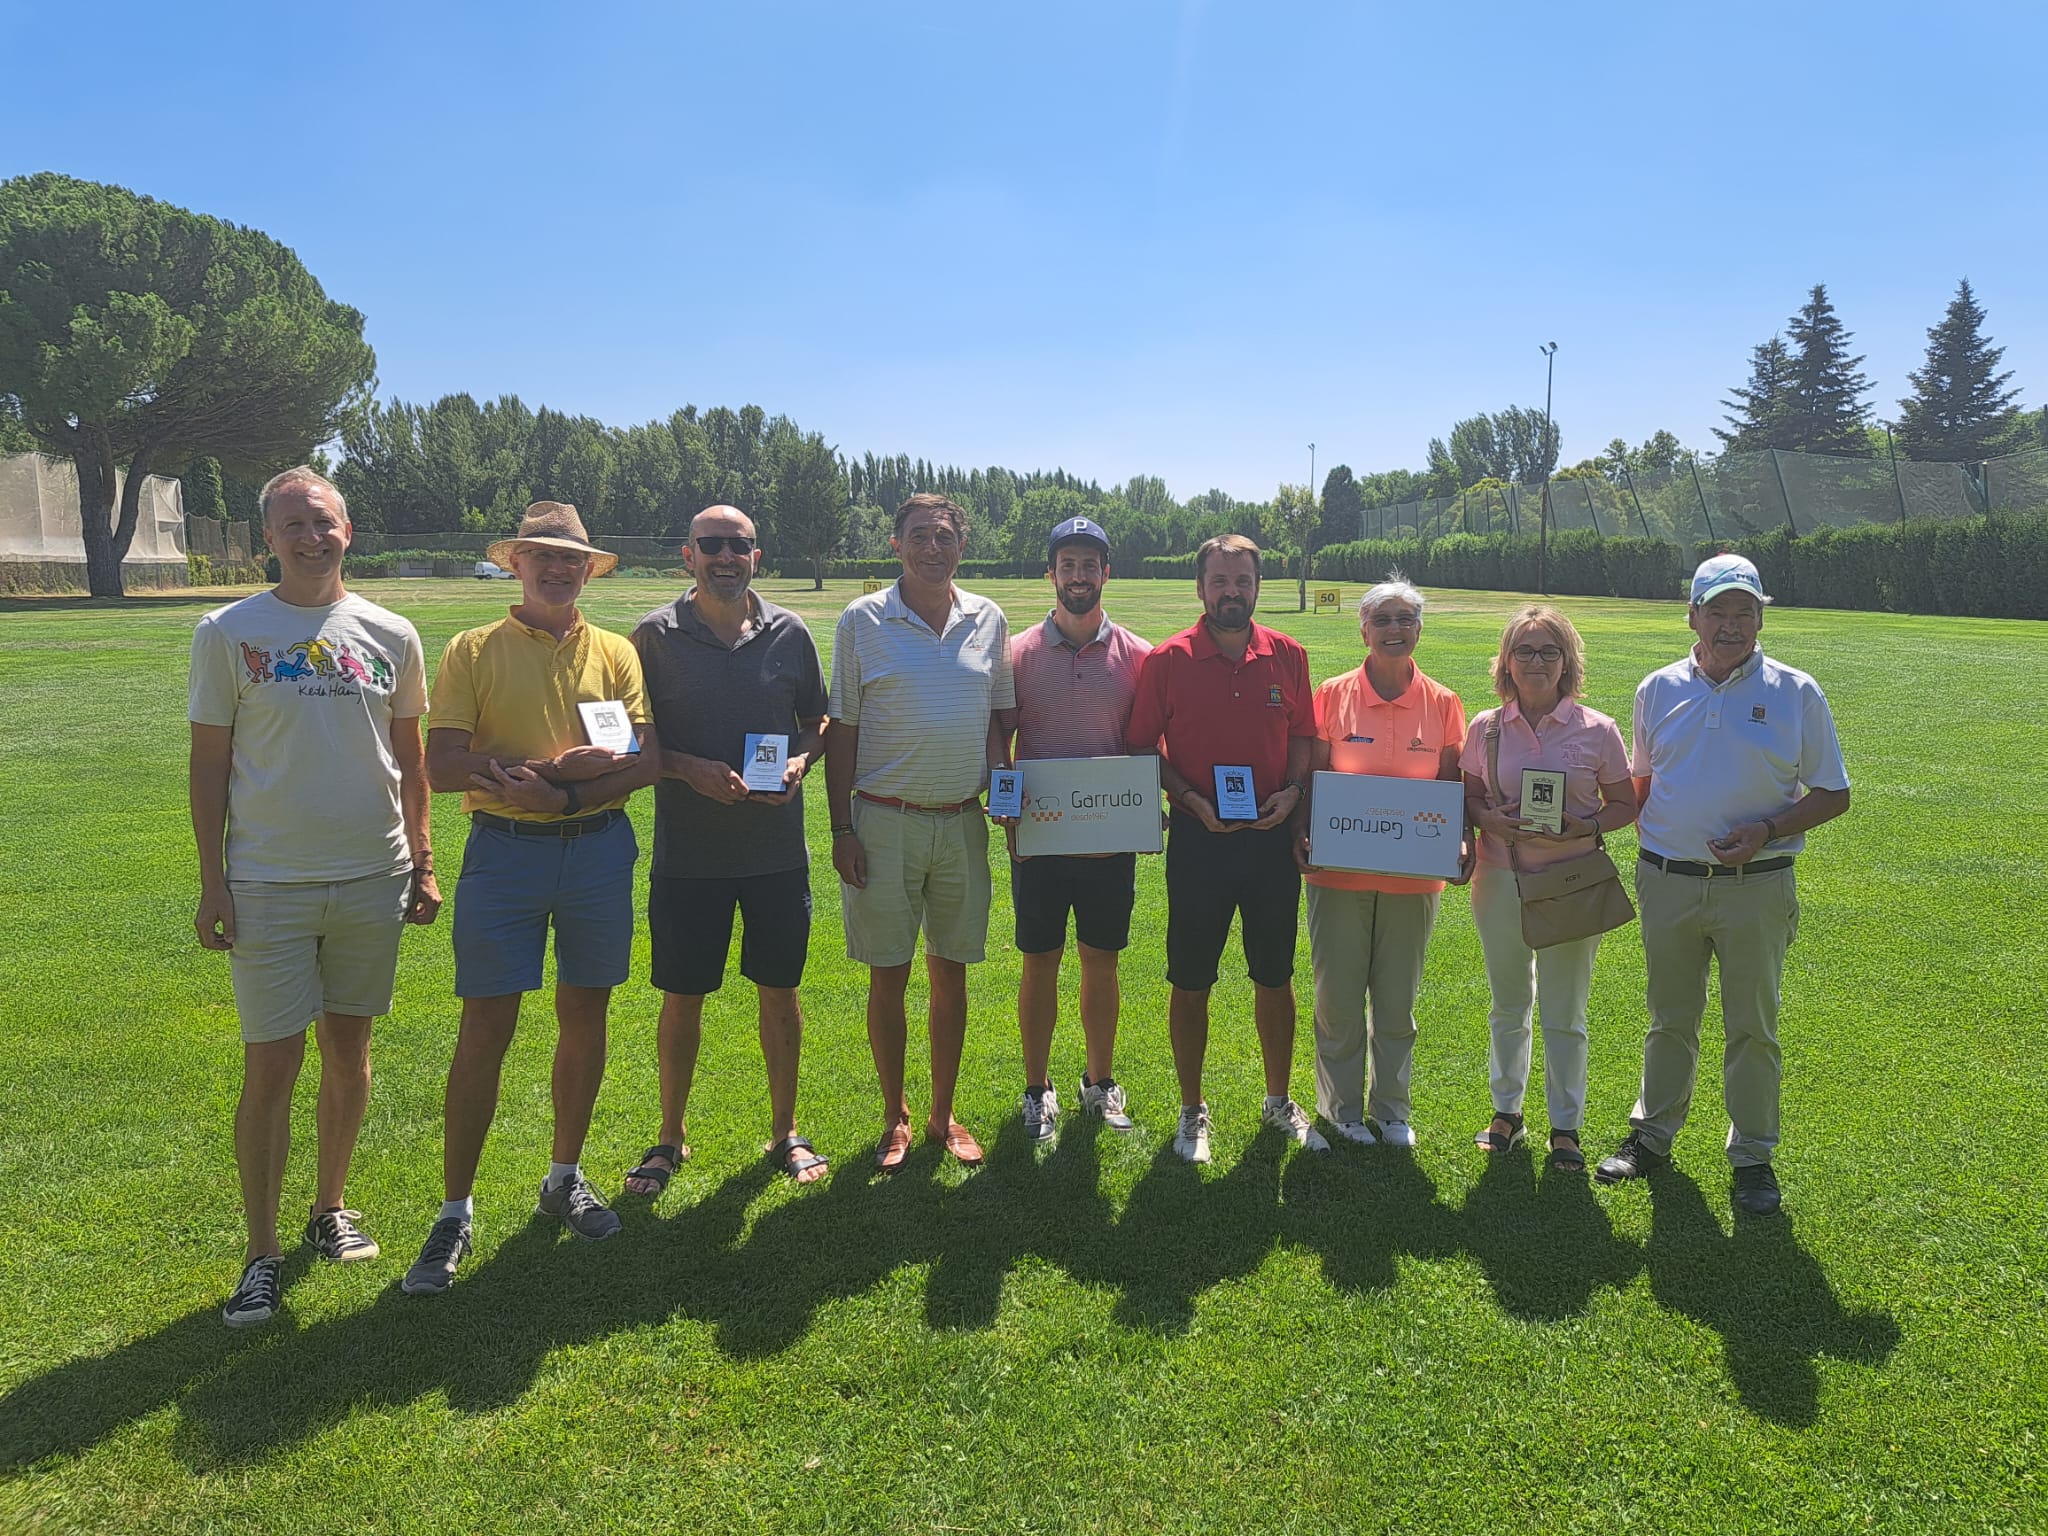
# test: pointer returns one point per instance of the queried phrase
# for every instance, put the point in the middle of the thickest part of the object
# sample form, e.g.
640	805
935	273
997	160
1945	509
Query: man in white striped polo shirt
922	705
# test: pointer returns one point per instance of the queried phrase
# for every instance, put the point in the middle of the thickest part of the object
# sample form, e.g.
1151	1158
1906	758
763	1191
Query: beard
1231	613
1077	602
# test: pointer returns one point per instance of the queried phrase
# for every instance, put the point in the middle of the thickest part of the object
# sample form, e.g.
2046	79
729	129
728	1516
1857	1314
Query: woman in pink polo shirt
1539	673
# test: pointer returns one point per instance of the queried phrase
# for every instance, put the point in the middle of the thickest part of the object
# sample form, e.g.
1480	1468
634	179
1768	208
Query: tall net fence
39	514
1728	497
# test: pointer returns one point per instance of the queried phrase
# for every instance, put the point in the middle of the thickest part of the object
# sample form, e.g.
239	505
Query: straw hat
555	524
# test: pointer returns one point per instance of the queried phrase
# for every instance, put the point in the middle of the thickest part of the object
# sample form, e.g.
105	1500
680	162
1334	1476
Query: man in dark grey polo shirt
720	664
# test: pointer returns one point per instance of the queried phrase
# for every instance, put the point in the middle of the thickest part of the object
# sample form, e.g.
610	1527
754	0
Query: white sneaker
1106	1099
1359	1131
1397	1133
1288	1116
1191	1141
1041	1115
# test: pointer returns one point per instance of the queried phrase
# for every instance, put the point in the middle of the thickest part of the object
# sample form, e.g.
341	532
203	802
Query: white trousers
1553	982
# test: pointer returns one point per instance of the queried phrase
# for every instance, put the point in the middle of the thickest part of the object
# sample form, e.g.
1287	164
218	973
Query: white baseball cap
1726	573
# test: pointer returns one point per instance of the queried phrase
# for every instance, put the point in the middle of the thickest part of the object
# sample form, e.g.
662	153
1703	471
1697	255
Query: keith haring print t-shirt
310	694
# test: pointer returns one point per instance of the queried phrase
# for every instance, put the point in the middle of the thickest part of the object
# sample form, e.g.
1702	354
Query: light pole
1549	352
1304	542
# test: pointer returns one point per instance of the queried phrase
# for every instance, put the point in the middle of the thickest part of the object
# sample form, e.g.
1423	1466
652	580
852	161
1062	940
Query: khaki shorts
301	950
925	871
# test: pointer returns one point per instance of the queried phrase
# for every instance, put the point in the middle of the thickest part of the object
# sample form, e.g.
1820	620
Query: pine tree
1825	409
1762	409
1960	407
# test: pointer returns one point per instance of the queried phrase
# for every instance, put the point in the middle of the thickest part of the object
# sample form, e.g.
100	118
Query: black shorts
690	923
1214	876
1099	892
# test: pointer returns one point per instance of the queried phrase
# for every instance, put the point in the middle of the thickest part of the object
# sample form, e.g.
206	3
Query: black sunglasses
718	544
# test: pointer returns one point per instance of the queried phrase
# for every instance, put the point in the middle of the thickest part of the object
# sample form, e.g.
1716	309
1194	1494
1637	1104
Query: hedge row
1986	567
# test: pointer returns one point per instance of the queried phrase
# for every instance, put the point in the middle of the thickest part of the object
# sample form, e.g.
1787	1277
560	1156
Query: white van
485	571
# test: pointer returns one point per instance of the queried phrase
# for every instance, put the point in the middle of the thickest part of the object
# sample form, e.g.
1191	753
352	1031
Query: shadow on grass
1544	1246
1764	1294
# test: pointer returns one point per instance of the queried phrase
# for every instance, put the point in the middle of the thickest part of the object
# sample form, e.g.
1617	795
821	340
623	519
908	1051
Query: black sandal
653	1172
795	1156
1567	1159
1493	1141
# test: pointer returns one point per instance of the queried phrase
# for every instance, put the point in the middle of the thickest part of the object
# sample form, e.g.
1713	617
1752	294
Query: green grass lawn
1098	1338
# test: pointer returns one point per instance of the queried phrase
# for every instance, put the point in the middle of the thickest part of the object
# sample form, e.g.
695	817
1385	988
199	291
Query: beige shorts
926	872
301	950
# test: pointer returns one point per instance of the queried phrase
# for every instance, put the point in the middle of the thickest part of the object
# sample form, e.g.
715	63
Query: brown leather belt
926	810
1712	871
582	826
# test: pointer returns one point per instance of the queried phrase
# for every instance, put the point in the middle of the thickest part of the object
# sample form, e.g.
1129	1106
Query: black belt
582	826
1712	871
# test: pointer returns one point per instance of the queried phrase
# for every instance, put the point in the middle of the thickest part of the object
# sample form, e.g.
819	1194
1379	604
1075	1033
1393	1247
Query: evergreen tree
1761	410
1825	407
205	496
1960	407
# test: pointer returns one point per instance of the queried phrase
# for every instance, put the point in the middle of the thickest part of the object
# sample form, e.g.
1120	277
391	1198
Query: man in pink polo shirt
1076	677
1367	933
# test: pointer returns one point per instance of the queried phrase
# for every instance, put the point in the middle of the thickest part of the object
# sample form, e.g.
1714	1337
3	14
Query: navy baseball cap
1076	528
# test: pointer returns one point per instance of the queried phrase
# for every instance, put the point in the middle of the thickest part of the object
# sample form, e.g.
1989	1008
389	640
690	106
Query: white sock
561	1173
465	1208
1275	1100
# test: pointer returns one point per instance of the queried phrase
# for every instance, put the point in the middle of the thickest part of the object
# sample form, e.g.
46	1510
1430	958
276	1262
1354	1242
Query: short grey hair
303	474
1396	588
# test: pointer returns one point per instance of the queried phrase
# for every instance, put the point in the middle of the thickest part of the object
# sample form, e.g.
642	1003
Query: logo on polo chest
1273	699
1756	713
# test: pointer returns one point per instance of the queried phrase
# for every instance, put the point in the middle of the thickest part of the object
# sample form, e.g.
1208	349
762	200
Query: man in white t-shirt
1735	761
309	805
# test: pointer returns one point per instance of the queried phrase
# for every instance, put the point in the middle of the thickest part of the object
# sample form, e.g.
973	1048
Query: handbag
1575	898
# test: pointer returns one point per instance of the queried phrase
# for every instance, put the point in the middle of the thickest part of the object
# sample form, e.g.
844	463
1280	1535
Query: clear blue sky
1125	237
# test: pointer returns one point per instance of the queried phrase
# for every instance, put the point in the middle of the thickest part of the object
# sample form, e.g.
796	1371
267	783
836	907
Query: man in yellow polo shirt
549	843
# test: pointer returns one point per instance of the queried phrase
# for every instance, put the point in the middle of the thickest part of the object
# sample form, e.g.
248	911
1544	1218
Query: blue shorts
514	884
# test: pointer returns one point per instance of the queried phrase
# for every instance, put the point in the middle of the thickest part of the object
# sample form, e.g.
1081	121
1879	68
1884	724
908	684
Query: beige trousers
1557	980
1366	948
1746	923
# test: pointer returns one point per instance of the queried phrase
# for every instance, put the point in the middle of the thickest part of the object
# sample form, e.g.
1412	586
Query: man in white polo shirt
1735	760
921	706
1076	678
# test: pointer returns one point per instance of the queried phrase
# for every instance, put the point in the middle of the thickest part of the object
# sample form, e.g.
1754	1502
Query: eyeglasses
1396	620
1546	654
718	544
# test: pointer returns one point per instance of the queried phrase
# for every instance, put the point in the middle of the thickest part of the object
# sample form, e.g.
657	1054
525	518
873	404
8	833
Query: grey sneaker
335	1236
1191	1140
434	1270
257	1295
1291	1119
576	1205
1041	1115
1106	1099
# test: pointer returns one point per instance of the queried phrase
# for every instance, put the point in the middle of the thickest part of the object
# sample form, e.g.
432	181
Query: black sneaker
1756	1190
335	1236
434	1270
256	1298
1633	1159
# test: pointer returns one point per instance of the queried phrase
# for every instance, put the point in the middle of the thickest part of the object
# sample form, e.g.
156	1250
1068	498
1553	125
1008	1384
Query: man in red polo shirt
1228	692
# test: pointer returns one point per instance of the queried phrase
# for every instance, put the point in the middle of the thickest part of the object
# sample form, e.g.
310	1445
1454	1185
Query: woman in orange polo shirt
1538	674
1367	933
